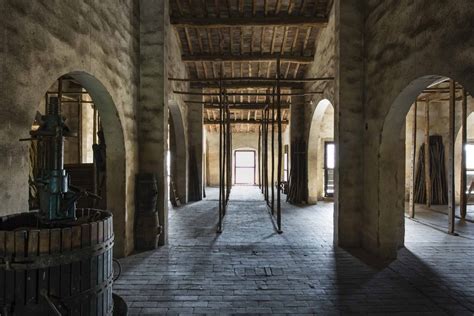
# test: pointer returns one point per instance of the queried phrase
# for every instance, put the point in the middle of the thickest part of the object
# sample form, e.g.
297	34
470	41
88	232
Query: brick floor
251	269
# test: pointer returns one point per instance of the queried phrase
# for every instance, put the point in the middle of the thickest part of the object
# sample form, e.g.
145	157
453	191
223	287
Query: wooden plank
85	268
261	57
55	272
241	121
10	274
43	274
65	269
427	155
100	272
76	269
287	20
93	268
2	271
463	206
32	275
20	275
413	163
451	141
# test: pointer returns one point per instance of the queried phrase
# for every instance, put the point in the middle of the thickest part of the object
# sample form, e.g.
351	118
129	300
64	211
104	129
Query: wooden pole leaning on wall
413	164
280	145
463	197
259	149
427	154
451	140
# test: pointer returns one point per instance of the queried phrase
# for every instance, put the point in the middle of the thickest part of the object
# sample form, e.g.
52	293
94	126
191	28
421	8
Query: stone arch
315	175
118	183
390	230
179	154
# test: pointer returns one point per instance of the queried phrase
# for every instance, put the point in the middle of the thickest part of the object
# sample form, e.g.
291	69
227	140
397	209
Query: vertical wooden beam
413	163
278	66
451	140
427	154
219	228
463	198
273	152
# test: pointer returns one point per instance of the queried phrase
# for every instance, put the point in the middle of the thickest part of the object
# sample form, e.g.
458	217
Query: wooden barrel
65	269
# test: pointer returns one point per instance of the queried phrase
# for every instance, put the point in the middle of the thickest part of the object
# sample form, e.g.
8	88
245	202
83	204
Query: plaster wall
239	141
97	41
405	51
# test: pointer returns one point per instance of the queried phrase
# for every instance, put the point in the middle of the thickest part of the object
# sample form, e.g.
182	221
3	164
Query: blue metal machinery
57	199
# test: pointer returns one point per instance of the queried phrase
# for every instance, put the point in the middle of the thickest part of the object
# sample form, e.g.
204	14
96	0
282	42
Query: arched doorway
321	157
93	92
393	175
178	155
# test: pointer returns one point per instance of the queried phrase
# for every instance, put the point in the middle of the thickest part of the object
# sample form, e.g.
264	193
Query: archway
390	225
321	134
178	153
115	181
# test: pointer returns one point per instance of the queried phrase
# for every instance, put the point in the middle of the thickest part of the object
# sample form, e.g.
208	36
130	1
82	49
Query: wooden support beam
243	106
463	197
413	163
451	141
251	79
264	57
241	121
210	94
280	20
247	85
427	155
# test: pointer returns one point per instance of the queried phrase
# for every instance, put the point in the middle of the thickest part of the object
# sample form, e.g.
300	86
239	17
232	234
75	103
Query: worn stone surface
349	119
251	269
409	45
97	43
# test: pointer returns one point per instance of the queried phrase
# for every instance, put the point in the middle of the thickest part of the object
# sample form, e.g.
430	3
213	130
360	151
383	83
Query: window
244	167
329	165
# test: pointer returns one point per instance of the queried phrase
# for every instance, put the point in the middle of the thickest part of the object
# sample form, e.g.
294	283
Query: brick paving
251	269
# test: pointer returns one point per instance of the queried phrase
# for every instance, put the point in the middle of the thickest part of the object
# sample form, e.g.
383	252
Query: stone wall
239	141
96	42
408	45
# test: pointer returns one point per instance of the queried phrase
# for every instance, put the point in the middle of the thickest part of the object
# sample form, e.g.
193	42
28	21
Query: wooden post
413	163
427	154
451	191
463	197
279	144
258	157
273	153
219	228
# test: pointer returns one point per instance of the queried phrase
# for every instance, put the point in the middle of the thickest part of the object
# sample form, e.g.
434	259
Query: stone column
153	100
349	122
195	144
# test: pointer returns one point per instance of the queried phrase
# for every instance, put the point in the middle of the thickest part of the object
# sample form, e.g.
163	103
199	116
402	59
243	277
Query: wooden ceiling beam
244	106
240	121
265	57
279	20
247	85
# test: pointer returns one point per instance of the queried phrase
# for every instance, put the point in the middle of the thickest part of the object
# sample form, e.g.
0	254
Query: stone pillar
153	101
195	141
349	122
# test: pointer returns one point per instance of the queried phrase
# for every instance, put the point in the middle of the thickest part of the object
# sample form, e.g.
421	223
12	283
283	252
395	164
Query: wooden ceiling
243	38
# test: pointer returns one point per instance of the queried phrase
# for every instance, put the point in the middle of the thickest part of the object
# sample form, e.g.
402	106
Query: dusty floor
251	269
